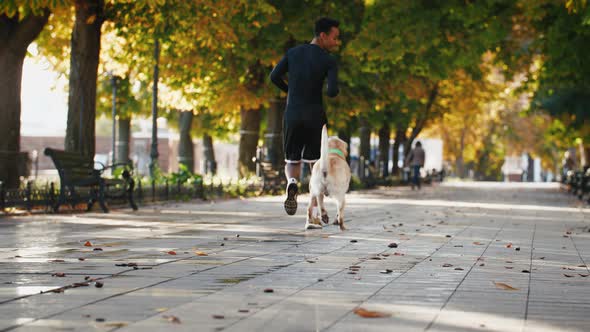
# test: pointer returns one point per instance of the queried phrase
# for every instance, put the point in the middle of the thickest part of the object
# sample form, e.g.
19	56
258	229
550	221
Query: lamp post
114	114
154	149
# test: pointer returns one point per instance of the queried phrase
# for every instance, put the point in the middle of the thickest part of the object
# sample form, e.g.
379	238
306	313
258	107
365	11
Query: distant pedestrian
415	160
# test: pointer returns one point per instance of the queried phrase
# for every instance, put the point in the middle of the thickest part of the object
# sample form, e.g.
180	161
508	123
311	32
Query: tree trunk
365	137
186	155
422	118
249	134
274	134
15	37
400	138
384	136
84	57
123	137
460	163
210	166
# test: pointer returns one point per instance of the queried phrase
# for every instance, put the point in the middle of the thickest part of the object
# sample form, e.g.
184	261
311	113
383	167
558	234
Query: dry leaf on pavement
172	319
504	286
88	244
370	314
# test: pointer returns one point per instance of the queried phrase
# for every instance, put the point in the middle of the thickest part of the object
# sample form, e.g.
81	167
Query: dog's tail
324	153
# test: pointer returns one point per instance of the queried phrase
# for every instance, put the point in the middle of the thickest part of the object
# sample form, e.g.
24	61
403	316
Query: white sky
44	101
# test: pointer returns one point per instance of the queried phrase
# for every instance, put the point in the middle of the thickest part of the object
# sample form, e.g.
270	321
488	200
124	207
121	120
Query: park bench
578	183
78	171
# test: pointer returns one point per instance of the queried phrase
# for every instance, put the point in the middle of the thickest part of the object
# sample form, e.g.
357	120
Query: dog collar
337	151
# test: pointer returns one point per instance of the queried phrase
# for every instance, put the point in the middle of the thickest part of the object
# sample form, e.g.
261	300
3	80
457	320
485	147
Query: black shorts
302	141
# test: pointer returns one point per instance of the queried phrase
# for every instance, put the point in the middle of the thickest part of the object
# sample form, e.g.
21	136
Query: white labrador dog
329	177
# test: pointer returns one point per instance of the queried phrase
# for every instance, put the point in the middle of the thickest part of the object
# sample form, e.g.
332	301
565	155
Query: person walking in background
415	160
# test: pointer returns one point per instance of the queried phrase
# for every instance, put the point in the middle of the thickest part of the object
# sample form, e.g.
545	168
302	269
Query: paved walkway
448	258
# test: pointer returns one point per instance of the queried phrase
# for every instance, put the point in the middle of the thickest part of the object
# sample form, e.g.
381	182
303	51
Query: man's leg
292	172
417	176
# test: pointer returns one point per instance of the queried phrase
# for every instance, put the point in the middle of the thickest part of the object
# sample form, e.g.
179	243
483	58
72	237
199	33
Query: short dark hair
325	24
418	144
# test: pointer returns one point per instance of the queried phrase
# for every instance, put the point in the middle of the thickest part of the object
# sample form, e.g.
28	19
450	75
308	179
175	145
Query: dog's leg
322	208
312	221
340	216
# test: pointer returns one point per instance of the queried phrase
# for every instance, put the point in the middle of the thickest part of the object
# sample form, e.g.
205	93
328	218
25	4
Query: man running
308	65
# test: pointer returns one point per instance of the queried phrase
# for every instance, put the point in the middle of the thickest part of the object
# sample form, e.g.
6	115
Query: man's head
327	34
418	144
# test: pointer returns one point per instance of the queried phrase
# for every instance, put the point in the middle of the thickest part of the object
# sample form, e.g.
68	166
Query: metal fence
36	197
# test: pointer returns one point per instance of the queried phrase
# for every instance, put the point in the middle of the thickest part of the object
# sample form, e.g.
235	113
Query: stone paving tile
453	243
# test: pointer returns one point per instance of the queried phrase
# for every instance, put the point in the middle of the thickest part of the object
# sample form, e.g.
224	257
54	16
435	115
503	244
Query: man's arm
333	80
276	75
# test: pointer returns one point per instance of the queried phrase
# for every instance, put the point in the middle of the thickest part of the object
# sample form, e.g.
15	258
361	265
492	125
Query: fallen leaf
171	252
353	241
244	311
88	244
56	261
447	236
310	261
387	271
478	243
509	245
370	314
81	259
517	248
568	275
97	249
583	275
447	265
504	286
269	290
509	262
201	253
542	257
116	324
398	254
582	265
482	264
81	284
526	271
392	245
59	274
508	267
161	309
218	316
458	246
172	319
459	268
98	284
